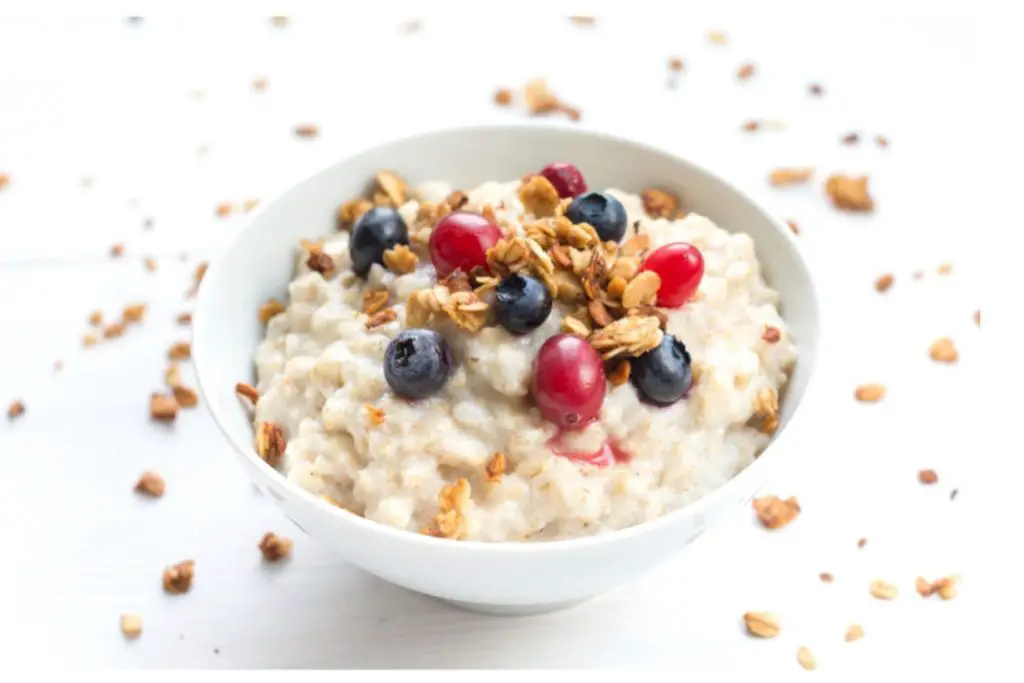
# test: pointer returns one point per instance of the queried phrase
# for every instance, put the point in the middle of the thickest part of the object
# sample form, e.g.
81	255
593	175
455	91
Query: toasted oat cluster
523	360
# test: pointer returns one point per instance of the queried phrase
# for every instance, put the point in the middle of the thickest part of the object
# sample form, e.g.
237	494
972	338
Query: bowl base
513	610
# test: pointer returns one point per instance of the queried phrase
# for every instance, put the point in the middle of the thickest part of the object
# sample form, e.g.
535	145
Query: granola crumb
117	250
806	659
945	268
659	203
884	282
851	139
782	177
388	315
184	318
90	339
113	330
307	130
869	393
751	126
620	375
270	443
180	351
149	263
945	587
5	180
321	263
186	397
96	318
854	632
223	209
150	484
861	542
250	204
882	590
260	83
771	334
133	313
794	228
178	577
849	193
539	196
131	625
496	466
400	259
762	624
247	391
882	141
162	407
826	577
541	100
503	97
581	20
15	410
977	318
718	37
943	350
745	71
279	21
274	547
927	477
775	513
376	415
269	309
675	65
816	89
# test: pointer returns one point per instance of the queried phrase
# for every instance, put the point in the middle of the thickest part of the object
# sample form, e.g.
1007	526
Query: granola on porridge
523	360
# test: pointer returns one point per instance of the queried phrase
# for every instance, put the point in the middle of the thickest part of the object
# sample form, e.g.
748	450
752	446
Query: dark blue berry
603	211
522	303
376	231
417	363
663	374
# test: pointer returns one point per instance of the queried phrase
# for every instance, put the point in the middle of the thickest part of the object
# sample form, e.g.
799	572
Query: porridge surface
351	439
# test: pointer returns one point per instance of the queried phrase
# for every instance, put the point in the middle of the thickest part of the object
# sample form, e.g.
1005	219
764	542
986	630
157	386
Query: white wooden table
128	107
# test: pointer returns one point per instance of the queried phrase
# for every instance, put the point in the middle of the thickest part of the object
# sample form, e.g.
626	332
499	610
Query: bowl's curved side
260	263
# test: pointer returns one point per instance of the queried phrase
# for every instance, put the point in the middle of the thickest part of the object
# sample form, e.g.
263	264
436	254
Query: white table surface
97	98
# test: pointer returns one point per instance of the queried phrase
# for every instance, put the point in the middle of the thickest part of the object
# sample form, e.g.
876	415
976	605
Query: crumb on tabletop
583	20
851	139
945	268
774	512
185	396
793	227
180	351
861	542
177	578
260	83
149	263
882	141
849	193
224	209
5	180
117	250
816	89
718	37
275	548
113	330
133	313
884	282
411	26
751	126
826	577
184	318
869	393
131	625
762	624
746	71
883	590
854	632
927	477
675	64
150	484
162	407
15	410
279	21
806	659
503	97
784	177
977	317
307	130
96	318
248	392
943	350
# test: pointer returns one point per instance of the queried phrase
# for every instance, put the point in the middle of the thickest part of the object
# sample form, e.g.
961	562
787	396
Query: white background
99	98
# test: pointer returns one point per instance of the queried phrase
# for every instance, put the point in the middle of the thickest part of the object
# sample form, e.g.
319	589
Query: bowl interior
259	264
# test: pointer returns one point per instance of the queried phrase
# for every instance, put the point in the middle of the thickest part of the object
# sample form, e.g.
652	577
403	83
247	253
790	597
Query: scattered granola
629	336
675	65
321	262
806	659
762	624
945	587
307	130
869	393
178	577
250	204
826	577
117	250
751	126
388	315
882	141
269	309
96	318
184	318
270	443
539	196
15	410
496	467
150	484
851	139
4	180
247	391
775	513
541	100
945	268
659	203
133	313
882	590
131	625
274	547
180	351
503	97
279	21
854	632
400	259
815	89
781	177
375	415
794	228
718	37
884	282
224	209
745	71
583	20
162	407
849	193
927	477
771	334
90	339
977	317
113	330
149	263
861	542
186	397
943	350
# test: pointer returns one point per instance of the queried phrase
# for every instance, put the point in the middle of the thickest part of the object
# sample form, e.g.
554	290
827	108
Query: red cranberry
681	267
566	178
461	240
568	381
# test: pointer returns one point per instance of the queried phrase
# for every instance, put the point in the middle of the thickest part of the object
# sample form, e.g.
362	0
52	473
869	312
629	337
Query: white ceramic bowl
492	577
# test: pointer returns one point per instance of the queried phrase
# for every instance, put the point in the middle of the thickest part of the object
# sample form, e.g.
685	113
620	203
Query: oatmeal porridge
523	360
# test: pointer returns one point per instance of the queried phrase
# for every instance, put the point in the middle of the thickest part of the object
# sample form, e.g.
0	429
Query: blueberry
375	232
603	211
522	303
663	374
417	363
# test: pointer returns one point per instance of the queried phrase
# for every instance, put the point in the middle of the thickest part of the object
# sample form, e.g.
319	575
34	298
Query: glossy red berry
568	381
461	240
681	267
566	178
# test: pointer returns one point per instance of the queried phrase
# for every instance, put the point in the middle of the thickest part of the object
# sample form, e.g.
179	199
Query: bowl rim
277	479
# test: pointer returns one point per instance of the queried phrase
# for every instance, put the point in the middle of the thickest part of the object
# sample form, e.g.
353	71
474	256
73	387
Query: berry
568	381
376	231
681	267
461	240
522	303
417	363
663	374
603	211
566	178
